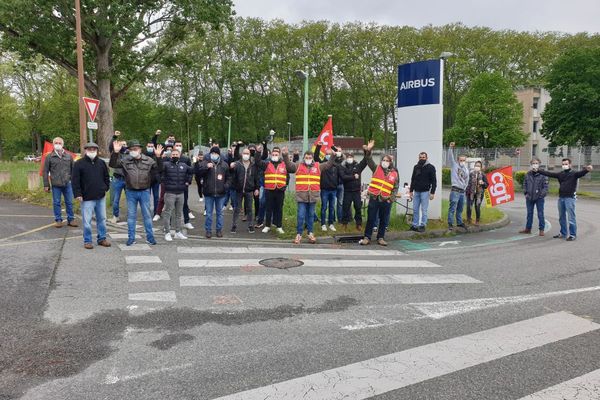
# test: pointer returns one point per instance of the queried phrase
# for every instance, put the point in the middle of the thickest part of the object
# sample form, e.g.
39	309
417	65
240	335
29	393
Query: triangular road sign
91	105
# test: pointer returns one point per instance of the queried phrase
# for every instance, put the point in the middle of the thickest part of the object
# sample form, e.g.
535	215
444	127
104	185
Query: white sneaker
168	237
191	215
188	226
230	208
156	218
180	235
114	220
266	229
280	231
204	213
324	228
332	228
201	199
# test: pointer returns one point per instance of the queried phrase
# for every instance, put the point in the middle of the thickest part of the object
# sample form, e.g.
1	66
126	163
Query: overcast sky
525	15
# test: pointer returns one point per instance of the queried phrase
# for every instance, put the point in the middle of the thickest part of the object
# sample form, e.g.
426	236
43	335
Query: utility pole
80	86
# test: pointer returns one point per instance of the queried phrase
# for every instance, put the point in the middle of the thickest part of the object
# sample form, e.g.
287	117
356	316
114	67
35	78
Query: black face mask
175	159
252	152
422	162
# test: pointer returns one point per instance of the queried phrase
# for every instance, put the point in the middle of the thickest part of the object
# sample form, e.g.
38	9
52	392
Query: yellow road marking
26	216
27	233
38	241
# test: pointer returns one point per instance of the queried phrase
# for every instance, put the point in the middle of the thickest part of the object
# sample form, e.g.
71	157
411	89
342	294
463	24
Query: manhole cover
281	263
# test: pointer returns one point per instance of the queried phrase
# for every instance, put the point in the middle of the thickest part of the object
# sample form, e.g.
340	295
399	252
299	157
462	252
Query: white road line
134	247
113	378
383	374
442	309
142	260
153	296
149	276
233	263
245	280
287	250
585	387
118	235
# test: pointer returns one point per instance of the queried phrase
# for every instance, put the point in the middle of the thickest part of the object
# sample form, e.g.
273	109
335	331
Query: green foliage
572	117
446	177
489	115
519	177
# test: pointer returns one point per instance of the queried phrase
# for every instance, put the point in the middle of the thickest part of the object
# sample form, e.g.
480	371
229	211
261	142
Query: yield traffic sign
91	105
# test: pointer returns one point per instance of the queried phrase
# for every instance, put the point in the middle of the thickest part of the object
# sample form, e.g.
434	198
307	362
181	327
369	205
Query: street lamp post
199	136
289	124
229	132
304	76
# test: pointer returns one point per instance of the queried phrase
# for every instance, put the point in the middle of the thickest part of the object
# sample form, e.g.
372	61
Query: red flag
501	187
49	148
326	137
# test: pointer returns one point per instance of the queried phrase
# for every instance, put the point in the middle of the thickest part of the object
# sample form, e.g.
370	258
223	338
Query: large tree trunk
105	112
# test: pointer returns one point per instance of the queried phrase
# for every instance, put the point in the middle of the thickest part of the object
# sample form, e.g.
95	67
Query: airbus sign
418	83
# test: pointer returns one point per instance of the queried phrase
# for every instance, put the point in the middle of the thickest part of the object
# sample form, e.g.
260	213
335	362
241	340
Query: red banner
501	188
326	137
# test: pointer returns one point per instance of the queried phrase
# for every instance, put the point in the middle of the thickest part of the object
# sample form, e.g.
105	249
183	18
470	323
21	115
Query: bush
446	179
520	177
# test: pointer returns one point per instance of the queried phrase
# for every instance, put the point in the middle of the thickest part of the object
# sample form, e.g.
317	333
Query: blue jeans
117	185
539	204
98	207
457	203
420	206
305	216
377	211
339	195
141	197
328	202
155	189
566	209
214	203
67	192
262	203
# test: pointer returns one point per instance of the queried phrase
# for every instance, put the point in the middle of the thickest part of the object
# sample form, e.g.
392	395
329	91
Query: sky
569	16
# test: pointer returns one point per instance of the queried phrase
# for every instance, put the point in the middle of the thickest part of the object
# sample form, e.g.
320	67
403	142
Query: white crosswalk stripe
370	263
142	260
134	247
303	251
154	296
148	276
365	379
585	387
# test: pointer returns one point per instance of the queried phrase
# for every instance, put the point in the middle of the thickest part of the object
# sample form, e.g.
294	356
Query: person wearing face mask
423	184
477	184
383	189
276	171
330	179
568	180
350	173
155	187
177	176
90	184
58	167
164	154
139	170
187	214
459	174
246	186
535	188
217	179
308	188
117	183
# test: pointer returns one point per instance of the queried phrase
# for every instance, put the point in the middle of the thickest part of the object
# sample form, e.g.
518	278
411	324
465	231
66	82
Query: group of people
156	177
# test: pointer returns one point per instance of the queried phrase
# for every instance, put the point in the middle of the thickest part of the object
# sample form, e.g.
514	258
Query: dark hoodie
423	178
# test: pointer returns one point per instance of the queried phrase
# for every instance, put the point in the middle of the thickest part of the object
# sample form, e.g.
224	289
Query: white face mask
177	148
274	158
92	154
566	167
134	153
385	164
477	169
350	161
245	157
308	161
338	153
58	147
535	166
462	163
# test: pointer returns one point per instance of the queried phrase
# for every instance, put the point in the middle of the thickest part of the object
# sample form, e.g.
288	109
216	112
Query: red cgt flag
326	137
501	187
49	148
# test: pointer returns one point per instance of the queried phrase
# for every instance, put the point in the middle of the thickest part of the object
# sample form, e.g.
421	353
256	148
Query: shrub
520	177
446	179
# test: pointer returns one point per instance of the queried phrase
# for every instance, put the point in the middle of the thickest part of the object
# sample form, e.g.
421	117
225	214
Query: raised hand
589	167
232	165
452	144
210	165
158	150
117	146
370	145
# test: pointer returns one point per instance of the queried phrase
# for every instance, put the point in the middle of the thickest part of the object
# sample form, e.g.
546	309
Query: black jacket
330	178
245	179
90	178
535	186
567	179
348	172
217	179
423	179
176	177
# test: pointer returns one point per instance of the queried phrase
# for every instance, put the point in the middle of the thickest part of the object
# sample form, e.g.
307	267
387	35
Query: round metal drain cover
280	263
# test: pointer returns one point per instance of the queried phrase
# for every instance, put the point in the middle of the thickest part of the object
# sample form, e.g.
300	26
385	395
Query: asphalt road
494	315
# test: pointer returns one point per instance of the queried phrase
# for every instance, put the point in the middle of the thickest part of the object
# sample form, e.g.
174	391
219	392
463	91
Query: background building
534	102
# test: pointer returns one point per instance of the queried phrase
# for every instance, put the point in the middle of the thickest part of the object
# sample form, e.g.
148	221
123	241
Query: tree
488	115
123	39
572	117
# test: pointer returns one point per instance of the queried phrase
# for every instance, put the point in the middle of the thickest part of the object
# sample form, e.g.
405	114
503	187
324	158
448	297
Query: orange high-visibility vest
275	178
308	178
382	185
